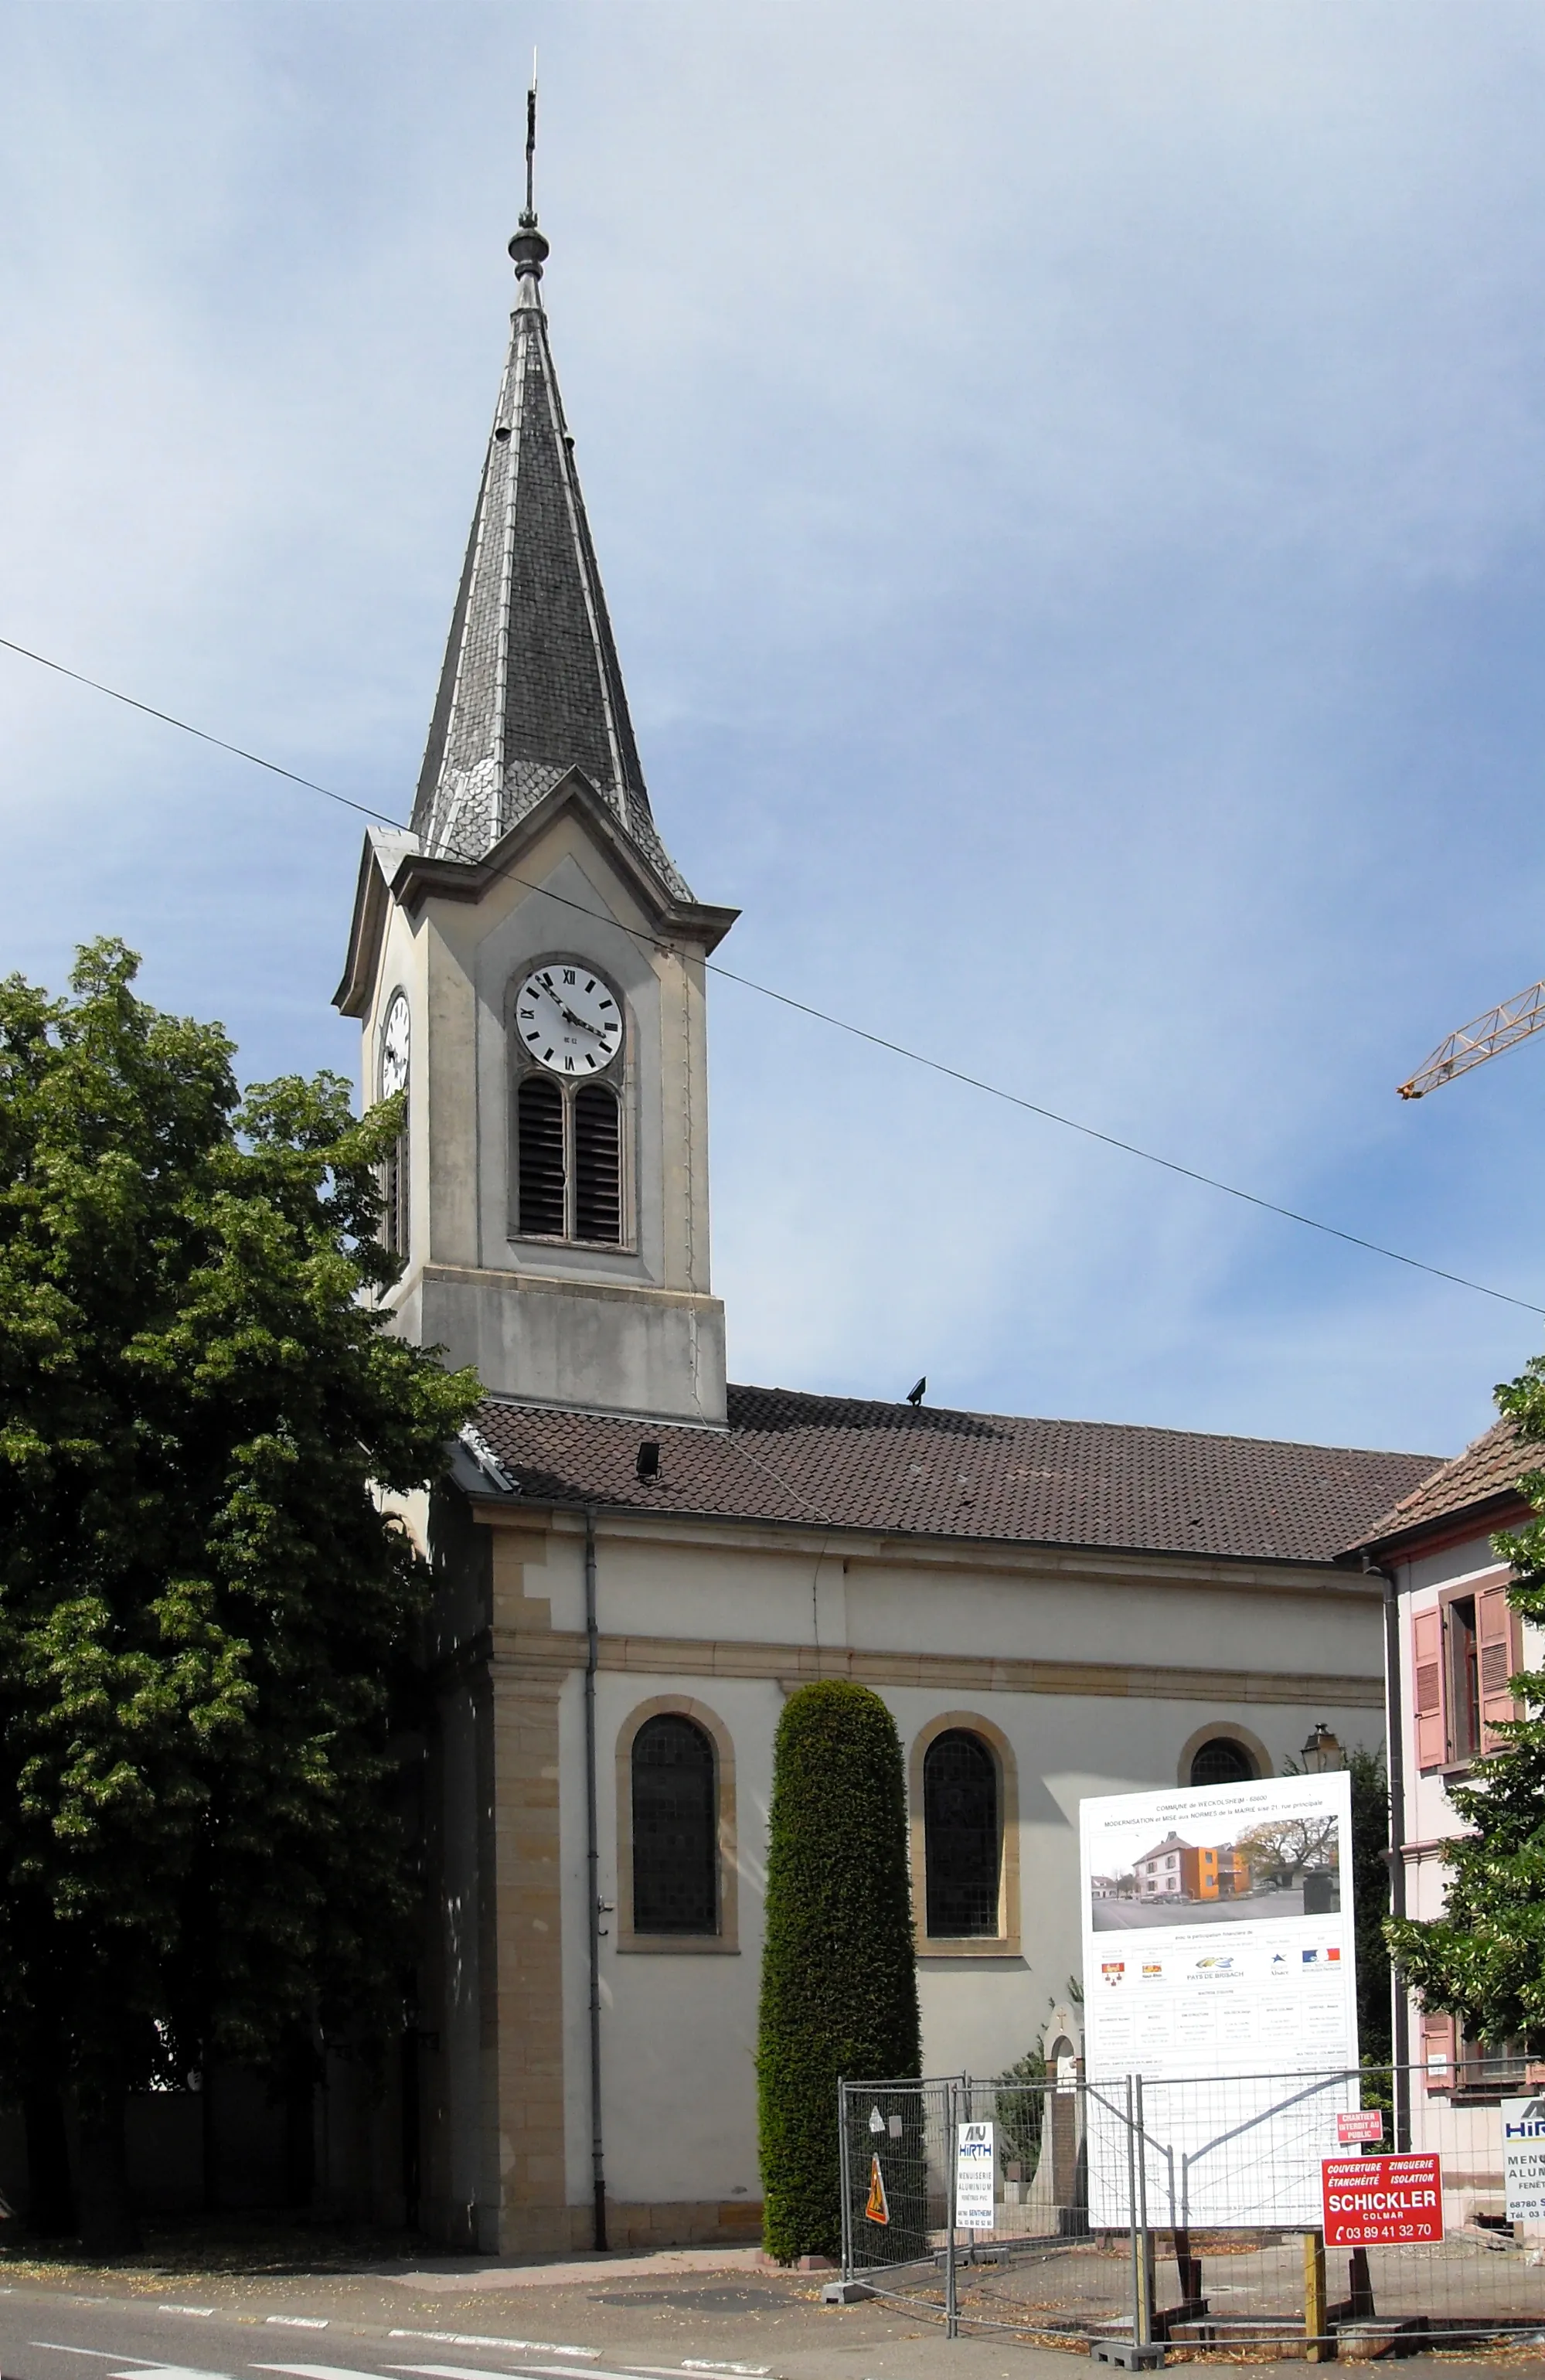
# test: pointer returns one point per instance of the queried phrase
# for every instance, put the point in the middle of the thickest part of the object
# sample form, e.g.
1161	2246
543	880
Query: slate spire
530	687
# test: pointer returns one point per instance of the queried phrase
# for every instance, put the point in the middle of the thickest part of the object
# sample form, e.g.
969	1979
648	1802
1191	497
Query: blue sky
1069	483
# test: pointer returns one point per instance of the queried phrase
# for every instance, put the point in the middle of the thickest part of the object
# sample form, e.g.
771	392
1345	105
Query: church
636	1563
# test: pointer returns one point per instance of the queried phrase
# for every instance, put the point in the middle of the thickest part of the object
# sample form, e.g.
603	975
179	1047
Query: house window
676	1851
962	1836
1464	1679
1222	1761
1464	1651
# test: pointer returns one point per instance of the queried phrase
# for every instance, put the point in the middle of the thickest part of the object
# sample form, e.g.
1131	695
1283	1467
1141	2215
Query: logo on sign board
877	2210
1529	2126
1221	1965
1152	1967
1113	1969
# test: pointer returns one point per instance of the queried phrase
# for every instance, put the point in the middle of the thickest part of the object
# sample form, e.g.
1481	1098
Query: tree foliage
1289	1849
202	1600
1371	1901
839	1989
1484	1960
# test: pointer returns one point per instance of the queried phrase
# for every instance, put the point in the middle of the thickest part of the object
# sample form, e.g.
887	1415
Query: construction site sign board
1524	2158
1382	2201
974	2165
1219	1955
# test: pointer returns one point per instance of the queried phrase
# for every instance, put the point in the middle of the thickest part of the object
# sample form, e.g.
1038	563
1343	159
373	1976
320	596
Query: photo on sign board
1213	1870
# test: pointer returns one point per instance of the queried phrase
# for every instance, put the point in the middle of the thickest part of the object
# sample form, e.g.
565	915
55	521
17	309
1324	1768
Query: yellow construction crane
1513	1020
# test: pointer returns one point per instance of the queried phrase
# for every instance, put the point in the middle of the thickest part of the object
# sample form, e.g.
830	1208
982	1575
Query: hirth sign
1524	2158
1382	2202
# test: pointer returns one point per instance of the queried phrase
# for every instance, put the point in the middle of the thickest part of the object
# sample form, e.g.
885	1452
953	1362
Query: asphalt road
1136	1916
707	2326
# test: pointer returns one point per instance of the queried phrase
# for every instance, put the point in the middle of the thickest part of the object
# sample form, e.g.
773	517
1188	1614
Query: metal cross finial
531	214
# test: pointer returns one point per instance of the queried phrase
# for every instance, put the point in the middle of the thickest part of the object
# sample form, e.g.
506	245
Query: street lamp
1322	1750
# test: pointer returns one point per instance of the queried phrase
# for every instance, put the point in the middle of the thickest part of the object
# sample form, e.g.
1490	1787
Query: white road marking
299	2321
505	2346
527	2371
101	2353
185	2309
141	2371
742	2371
315	2371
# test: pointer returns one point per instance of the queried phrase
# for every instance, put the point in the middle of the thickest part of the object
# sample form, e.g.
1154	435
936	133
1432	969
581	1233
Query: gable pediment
393	868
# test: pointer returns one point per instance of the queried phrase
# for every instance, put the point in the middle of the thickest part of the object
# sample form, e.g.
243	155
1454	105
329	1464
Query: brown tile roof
852	1464
1488	1468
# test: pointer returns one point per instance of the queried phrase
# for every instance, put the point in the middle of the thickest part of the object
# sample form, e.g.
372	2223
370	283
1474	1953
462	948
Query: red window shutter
1427	1689
1500	1652
1437	2052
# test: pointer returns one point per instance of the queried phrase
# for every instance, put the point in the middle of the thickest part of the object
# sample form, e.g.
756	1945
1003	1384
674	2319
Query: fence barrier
1354	2213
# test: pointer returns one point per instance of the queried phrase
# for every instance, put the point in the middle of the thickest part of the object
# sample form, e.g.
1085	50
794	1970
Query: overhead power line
838	1023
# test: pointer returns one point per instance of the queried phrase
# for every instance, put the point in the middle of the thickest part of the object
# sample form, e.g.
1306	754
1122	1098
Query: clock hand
565	1012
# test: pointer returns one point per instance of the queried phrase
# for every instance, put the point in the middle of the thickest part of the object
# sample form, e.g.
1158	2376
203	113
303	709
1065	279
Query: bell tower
527	963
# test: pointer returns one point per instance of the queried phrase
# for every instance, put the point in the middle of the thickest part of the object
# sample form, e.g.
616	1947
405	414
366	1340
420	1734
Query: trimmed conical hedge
839	1986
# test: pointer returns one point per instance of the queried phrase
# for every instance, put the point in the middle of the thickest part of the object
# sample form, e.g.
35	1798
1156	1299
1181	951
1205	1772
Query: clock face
569	1019
394	1049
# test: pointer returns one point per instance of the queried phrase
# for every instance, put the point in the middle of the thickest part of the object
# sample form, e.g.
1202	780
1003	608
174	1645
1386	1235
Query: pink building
1452	1643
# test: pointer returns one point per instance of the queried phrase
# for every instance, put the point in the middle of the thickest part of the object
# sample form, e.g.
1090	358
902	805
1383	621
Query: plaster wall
633	1329
739	1608
744	1585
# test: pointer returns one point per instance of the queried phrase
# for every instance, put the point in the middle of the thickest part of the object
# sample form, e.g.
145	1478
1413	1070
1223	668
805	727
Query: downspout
1394	1738
592	1876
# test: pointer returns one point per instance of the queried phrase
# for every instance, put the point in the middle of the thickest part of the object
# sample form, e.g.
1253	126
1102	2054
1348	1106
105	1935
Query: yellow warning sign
877	2211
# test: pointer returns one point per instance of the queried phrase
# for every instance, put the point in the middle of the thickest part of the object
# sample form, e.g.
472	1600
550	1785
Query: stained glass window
675	1857
961	1835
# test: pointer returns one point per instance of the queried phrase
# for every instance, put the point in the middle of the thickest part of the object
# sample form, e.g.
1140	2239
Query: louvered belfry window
393	1195
540	1171
597	1164
961	1835
568	1161
675	1854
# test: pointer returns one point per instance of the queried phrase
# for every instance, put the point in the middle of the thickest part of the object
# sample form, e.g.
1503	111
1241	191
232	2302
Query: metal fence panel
1126	2212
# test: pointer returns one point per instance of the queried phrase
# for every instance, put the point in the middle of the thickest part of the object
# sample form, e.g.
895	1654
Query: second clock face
569	1018
394	1049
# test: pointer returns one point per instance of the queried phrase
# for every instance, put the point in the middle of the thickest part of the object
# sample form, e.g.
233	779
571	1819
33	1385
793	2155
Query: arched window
1222	1761
568	1168
962	1835
675	1827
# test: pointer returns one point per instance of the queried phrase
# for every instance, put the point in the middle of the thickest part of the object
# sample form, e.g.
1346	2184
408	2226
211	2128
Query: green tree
1484	1960
1371	1901
839	1986
203	1603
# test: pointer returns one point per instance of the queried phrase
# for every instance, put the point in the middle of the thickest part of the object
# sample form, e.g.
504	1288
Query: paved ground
690	2314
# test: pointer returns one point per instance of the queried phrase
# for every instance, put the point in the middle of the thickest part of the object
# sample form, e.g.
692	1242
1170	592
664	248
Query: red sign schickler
1382	2202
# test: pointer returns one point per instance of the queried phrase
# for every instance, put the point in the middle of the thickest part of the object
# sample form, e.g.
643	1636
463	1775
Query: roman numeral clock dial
569	1019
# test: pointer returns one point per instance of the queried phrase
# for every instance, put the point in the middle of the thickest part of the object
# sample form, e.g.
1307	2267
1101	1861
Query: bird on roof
915	1393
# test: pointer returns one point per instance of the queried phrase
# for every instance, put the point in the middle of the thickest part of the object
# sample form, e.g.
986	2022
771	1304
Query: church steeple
530	974
530	687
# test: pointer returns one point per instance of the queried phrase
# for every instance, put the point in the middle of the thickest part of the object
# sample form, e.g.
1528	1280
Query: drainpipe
592	1878
1395	1737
